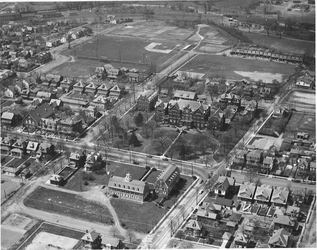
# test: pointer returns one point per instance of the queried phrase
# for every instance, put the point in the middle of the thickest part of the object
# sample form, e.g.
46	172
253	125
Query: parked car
136	162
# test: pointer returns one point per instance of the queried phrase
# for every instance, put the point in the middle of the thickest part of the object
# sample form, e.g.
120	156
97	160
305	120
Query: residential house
241	240
217	119
16	152
303	164
99	71
185	95
254	156
129	189
279	239
229	113
113	73
8	141
46	96
92	240
207	213
147	100
226	240
279	197
263	194
9	119
193	228
134	76
240	157
36	102
67	84
56	103
77	103
5	150
247	191
49	125
69	126
229	98
33	120
104	89
115	91
10	91
112	243
166	181
224	185
224	203
236	218
32	148
305	83
283	221
74	158
79	87
91	160
44	149
268	163
100	102
91	88
20	144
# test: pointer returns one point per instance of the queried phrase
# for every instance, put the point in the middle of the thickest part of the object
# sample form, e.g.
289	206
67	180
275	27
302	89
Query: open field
228	66
124	49
54	232
5	159
298	97
67	204
8	187
284	45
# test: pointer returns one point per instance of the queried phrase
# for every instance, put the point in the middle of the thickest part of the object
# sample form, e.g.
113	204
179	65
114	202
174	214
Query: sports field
229	66
126	49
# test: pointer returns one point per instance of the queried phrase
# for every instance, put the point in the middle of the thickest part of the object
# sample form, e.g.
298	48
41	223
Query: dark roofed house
129	189
33	119
9	119
223	185
166	181
92	240
147	100
225	203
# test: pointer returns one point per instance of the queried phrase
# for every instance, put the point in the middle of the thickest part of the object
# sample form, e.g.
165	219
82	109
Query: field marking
151	47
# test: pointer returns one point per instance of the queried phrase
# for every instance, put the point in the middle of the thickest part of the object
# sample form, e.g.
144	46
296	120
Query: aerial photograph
158	124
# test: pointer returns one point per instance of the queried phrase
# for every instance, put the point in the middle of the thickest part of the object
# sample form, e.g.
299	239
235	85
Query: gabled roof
100	99
284	220
280	196
90	236
247	190
240	237
7	115
226	236
235	217
263	193
194	224
279	237
206	214
122	183
91	85
43	111
169	174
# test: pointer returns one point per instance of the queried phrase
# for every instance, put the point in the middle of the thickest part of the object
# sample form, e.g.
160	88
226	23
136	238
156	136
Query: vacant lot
301	122
284	45
227	66
9	237
8	187
57	231
67	204
5	159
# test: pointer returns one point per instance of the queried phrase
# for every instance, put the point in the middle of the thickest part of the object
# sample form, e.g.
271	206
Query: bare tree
161	138
114	230
131	235
251	174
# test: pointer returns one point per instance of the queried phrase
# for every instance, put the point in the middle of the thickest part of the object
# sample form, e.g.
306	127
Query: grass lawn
139	217
284	45
5	159
78	69
131	49
302	123
62	231
17	162
225	66
68	205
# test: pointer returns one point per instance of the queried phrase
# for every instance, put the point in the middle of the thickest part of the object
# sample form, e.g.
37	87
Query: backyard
68	204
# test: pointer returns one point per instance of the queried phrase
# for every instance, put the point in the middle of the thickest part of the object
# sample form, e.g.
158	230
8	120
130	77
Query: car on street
136	162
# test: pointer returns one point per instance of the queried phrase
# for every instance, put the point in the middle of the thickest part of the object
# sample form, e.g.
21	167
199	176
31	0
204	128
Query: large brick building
166	181
147	100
